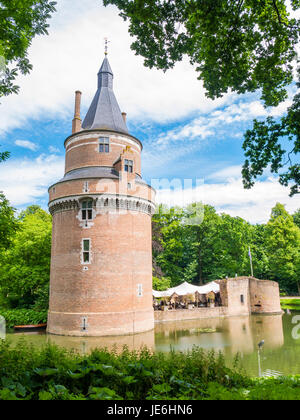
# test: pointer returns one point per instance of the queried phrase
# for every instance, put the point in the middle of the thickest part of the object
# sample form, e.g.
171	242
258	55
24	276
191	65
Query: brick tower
101	264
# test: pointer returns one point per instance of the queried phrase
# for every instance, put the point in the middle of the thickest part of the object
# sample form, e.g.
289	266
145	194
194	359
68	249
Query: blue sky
185	135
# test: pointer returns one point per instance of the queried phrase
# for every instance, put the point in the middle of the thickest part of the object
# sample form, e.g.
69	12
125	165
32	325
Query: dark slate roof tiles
104	112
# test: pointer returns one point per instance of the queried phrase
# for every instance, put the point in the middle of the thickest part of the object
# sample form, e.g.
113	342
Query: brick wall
265	296
185	314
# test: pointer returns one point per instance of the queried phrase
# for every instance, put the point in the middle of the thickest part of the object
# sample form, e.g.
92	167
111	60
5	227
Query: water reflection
231	336
86	344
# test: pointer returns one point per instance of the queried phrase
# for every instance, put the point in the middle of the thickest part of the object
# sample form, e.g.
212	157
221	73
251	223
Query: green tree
264	148
296	217
25	266
4	156
283	247
8	222
162	283
243	45
232	245
168	251
20	22
259	252
200	238
239	45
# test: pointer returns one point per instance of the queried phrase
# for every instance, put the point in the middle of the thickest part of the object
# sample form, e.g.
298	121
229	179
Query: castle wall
265	296
100	186
189	314
82	150
106	290
235	296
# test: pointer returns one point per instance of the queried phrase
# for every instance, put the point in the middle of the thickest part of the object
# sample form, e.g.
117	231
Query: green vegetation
8	223
52	373
243	46
292	304
219	247
23	317
25	265
20	22
25	249
214	247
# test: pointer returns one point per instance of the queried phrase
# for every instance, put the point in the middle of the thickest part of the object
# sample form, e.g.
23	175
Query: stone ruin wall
265	297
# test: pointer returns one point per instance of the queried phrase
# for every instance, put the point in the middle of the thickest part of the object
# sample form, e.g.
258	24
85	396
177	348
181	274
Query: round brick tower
101	264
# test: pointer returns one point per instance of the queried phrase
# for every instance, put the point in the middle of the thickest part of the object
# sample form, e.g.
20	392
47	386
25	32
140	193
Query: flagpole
250	256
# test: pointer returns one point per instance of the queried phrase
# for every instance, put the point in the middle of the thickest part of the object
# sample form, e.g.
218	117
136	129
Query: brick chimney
76	126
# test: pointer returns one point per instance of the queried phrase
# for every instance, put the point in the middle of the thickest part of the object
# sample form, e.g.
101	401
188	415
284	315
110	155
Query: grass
52	373
292	304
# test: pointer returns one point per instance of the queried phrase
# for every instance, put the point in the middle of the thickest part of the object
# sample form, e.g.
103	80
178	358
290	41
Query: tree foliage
243	45
20	22
263	147
219	246
25	265
283	247
238	45
8	222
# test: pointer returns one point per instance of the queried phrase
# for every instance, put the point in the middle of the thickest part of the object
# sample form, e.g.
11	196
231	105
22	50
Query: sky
189	140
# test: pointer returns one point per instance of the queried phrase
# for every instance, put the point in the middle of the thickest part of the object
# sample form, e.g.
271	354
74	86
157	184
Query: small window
129	166
86	187
129	186
86	251
104	145
84	324
242	299
87	210
140	290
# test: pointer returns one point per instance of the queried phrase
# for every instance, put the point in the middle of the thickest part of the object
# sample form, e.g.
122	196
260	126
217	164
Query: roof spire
104	111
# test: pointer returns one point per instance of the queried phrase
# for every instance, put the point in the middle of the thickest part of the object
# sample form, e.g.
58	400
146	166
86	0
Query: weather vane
106	41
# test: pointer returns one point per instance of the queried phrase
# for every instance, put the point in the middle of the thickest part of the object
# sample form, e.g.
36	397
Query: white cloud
227	119
230	197
53	149
231	172
69	59
25	181
26	144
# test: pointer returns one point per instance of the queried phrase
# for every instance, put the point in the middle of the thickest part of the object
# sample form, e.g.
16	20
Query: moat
231	336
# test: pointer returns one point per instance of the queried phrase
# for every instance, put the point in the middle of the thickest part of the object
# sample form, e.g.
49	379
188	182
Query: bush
52	373
23	317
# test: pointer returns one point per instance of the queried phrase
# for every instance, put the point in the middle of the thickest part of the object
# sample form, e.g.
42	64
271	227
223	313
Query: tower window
86	187
87	210
86	251
242	299
140	290
104	145
129	166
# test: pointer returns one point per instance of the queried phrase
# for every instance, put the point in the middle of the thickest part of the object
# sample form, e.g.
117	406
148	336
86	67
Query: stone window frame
87	213
104	145
128	166
86	187
85	251
140	291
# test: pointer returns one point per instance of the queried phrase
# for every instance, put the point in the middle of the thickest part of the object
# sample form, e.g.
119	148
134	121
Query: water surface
281	352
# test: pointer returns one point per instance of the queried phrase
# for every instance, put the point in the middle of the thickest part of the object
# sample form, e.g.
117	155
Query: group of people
159	305
179	303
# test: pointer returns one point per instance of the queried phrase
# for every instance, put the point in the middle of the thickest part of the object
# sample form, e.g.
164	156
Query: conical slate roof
104	112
